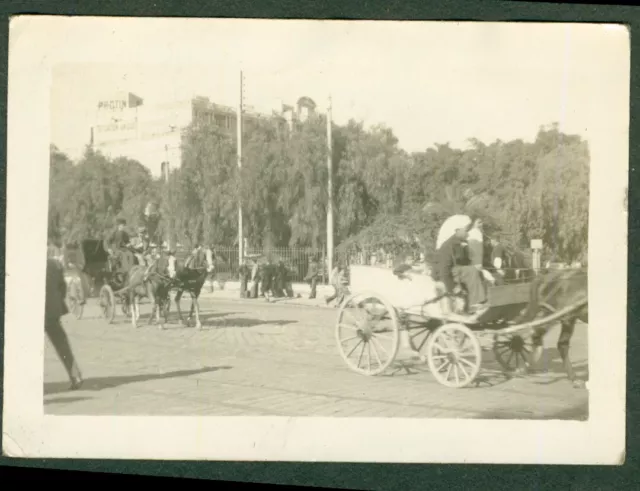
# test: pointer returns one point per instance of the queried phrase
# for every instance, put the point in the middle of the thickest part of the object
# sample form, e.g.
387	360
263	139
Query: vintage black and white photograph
330	221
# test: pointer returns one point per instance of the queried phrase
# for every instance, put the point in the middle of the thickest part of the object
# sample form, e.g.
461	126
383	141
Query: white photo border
37	43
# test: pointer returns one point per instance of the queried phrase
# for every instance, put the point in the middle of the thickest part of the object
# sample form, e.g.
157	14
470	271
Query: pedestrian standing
255	278
245	272
55	308
312	275
287	275
338	281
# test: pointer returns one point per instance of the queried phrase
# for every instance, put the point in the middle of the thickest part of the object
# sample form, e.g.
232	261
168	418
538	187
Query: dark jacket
118	239
56	291
452	253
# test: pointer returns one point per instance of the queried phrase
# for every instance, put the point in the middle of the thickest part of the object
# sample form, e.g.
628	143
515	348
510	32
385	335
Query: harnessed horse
156	287
190	277
552	292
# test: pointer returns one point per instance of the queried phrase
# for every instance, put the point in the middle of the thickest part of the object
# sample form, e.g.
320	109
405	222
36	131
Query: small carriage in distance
370	325
110	281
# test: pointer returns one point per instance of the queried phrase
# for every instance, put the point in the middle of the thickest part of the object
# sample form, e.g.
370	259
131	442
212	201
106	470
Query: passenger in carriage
453	265
478	249
498	260
140	245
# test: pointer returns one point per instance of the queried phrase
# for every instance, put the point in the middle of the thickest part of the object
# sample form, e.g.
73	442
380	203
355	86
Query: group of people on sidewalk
269	279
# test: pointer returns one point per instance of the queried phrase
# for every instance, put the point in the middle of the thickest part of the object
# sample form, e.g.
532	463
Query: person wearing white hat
454	265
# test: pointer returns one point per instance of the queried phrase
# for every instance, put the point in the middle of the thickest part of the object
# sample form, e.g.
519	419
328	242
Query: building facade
153	134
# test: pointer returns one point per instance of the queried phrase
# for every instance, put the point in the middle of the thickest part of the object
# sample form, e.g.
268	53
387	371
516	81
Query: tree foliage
383	196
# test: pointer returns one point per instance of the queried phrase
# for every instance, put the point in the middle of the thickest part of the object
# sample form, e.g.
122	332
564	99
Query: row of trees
384	196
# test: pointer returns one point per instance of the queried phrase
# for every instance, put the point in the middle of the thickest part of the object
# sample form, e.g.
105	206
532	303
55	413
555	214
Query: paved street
254	358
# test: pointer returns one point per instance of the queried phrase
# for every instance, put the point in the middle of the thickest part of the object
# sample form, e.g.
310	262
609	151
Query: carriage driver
140	244
118	240
454	265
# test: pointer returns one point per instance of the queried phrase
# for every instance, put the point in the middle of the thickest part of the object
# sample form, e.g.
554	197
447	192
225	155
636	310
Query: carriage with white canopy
410	310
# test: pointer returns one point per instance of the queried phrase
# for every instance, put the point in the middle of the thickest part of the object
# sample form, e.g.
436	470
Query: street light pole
329	191
239	131
167	173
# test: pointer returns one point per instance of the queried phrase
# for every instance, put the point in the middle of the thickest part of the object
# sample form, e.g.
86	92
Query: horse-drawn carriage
371	325
120	281
110	278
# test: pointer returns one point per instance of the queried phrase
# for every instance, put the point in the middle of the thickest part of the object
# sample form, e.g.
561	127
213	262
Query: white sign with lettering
112	105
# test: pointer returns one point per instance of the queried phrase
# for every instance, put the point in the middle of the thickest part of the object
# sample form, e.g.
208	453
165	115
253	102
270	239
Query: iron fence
298	260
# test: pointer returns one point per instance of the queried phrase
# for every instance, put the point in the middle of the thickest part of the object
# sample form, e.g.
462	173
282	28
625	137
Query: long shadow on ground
576	413
491	374
100	383
64	400
240	322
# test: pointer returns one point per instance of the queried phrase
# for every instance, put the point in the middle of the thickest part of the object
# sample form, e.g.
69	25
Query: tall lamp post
165	175
239	131
329	192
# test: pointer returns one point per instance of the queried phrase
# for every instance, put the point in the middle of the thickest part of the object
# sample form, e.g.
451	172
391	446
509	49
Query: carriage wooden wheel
367	333
74	296
454	355
107	303
513	351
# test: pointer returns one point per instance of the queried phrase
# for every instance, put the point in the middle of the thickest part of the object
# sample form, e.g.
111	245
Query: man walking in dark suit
312	275
55	308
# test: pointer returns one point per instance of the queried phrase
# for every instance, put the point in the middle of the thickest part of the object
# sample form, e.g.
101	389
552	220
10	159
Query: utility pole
167	172
330	192
239	131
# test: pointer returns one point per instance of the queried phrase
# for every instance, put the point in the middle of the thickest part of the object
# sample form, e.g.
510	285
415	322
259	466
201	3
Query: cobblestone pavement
254	358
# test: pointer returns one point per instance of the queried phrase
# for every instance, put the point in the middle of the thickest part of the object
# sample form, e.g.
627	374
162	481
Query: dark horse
552	292
190	277
156	288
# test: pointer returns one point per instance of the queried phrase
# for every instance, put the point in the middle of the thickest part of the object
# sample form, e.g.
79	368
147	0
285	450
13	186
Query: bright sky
432	82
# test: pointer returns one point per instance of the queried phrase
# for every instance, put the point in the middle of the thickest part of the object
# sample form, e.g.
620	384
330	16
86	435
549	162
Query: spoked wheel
74	299
513	351
454	355
419	338
367	333
107	303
